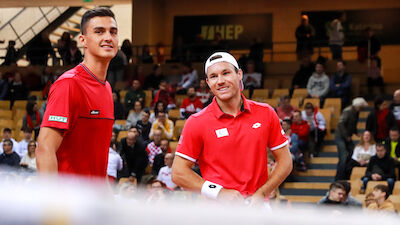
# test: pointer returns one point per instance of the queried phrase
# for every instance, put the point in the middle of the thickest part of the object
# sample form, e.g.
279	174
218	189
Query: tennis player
229	140
77	125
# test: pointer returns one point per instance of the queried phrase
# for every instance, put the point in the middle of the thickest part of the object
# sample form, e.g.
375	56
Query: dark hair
156	107
378	101
118	95
309	105
31	141
383	188
146	111
380	145
29	107
342	61
27	130
336	185
284	97
346	185
156	66
8	141
99	11
288	121
394	129
7	130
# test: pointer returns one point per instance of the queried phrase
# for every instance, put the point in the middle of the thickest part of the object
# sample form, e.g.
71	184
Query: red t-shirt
190	106
302	130
232	151
82	106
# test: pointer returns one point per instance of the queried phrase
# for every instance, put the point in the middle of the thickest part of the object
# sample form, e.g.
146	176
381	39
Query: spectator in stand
135	116
119	109
159	159
302	129
346	199
146	56
116	68
380	168
394	111
16	88
164	175
153	80
63	45
362	153
3	87
305	33
11	55
392	146
317	124
166	125
191	104
114	163
378	119
369	199
7	136
178	51
144	125
340	85
336	36
126	48
293	139
302	75
134	155
73	56
382	203
39	49
138	75
251	79
203	93
154	147
9	157
164	95
135	93
371	41
285	110
336	194
33	118
174	77
159	106
23	144
189	78
347	126
318	84
375	78
28	160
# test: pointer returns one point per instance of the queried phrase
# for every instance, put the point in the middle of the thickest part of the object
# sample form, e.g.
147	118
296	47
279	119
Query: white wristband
211	190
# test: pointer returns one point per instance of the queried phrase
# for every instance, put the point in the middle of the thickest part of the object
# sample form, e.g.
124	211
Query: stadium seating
371	184
335	105
5	104
260	93
122	134
327	116
179	100
357	173
271	101
314	101
149	98
396	188
178	129
5	114
246	93
20	104
120	122
173	145
174	114
278	93
37	94
122	94
300	93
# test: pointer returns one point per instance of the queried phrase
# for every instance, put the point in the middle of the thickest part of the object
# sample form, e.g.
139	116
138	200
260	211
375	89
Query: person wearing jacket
340	85
378	120
317	124
318	84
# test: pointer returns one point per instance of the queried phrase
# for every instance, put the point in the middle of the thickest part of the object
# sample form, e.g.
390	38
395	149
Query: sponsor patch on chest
94	112
222	132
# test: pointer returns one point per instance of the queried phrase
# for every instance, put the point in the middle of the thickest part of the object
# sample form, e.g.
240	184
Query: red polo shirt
232	151
82	106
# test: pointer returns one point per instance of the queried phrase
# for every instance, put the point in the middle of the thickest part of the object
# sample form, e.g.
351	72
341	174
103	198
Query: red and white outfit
82	106
152	150
232	151
114	164
164	175
203	95
189	107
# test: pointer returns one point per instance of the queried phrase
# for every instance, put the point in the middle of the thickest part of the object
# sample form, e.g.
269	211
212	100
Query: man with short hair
164	175
158	162
163	123
394	111
9	157
347	199
285	110
134	94
23	144
77	126
144	125
153	148
302	129
336	194
382	203
392	145
229	140
318	84
7	136
317	124
340	85
191	104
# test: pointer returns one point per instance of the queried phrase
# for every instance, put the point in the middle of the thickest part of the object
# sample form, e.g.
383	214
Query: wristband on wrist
210	190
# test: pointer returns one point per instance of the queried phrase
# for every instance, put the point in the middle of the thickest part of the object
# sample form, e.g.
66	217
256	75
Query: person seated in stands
302	75
191	104
119	109
116	68
174	77
164	175
153	80
375	78
135	93
317	124
203	93
163	94
380	168
28	160
347	126
302	129
134	156
394	111
159	106
9	157
144	125
16	88
362	153
23	144
63	46
158	162
114	163
340	84
393	147
377	120
154	147
251	79
285	110
135	116
347	199
33	118
293	139
7	136
189	78
382	203
166	125
337	192
369	199
73	56
318	84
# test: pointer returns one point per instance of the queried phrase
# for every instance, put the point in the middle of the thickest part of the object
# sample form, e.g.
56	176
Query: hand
257	199
230	195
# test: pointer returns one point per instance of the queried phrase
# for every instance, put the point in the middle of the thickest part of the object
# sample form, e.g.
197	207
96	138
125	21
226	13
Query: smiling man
229	140
77	126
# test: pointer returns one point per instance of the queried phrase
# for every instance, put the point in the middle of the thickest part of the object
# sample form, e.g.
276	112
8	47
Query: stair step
322	166
316	172
361	125
306	185
328	154
329	148
302	198
364	114
73	29
329	142
57	34
306	192
314	179
324	160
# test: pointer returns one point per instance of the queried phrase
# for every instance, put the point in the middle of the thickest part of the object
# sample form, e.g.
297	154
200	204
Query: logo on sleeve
222	132
94	112
60	119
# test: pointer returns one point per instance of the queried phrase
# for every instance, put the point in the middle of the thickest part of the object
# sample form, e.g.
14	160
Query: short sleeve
58	112
190	143
277	138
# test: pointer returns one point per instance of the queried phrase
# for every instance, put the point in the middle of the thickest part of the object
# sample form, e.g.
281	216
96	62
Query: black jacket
386	164
388	145
12	159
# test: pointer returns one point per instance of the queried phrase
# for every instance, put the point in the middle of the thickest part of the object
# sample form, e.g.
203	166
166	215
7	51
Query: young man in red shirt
229	140
191	104
77	126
